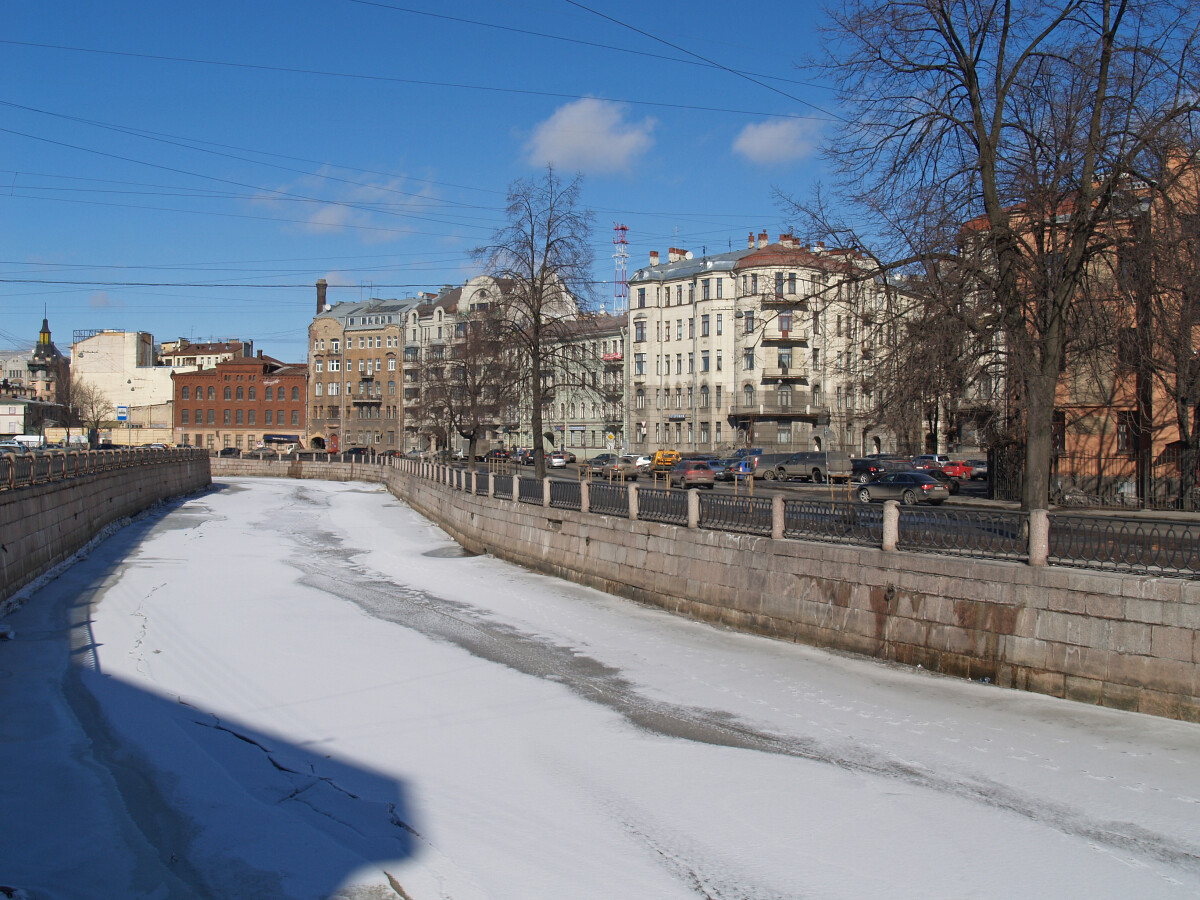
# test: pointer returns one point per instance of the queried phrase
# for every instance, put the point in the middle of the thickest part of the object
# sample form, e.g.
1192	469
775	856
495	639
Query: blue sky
192	169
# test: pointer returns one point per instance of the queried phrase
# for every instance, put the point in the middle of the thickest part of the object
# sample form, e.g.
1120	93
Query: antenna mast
621	276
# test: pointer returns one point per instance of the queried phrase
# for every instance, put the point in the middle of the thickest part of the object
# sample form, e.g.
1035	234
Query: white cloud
376	211
775	142
590	135
104	300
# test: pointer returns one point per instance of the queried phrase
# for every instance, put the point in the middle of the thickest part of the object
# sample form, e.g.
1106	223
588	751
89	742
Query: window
720	329
270	417
791	282
183	417
719	291
212	417
639	331
784	395
703	360
704	326
719	361
691	363
199	416
748	359
785	322
227	417
679	295
295	393
335	365
679	329
641	298
704	289
335	345
269	394
784	433
704	396
692	292
228	392
785	358
778	284
816	322
639	364
318	389
295	417
640	399
250	418
678	363
212	393
748	395
754	284
184	395
241	417
749	321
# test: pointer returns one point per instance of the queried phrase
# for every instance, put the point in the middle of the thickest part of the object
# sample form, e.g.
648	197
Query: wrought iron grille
983	534
829	520
747	514
565	494
530	490
481	482
504	486
1141	546
608	499
662	505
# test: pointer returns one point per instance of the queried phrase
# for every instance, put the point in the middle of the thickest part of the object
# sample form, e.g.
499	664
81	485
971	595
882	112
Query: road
293	688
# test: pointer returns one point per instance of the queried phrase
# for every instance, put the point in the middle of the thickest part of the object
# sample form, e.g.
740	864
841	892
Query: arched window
212	392
748	395
270	394
241	395
228	392
253	395
640	396
185	396
816	395
295	393
704	396
784	394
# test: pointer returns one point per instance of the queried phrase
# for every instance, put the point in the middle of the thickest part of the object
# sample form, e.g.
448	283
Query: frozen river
303	689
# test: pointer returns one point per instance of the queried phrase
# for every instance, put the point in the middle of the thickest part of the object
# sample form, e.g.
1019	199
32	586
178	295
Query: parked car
643	464
940	475
357	452
570	457
979	469
11	447
930	461
816	466
872	467
957	469
907	487
690	473
495	454
664	461
595	465
623	467
726	469
556	459
229	451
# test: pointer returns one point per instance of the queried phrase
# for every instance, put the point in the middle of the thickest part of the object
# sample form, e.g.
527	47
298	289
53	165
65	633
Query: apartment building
204	355
770	346
242	402
585	392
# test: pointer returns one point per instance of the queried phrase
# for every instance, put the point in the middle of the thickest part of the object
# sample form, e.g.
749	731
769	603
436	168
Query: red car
957	469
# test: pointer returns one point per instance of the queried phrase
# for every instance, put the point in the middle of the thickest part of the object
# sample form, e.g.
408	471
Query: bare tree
88	405
1020	121
543	256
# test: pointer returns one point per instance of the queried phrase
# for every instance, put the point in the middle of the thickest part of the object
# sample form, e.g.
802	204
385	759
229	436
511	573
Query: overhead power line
421	82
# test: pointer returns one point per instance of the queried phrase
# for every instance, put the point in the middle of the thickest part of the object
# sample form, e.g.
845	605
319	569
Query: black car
939	475
229	451
871	467
497	453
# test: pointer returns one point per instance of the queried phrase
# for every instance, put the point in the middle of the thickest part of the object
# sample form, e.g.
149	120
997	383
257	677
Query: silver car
907	487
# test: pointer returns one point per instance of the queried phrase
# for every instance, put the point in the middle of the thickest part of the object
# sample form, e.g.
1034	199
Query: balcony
791	301
790	374
792	338
613	357
769	407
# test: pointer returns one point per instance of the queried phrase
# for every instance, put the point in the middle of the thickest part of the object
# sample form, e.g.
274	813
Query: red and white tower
621	277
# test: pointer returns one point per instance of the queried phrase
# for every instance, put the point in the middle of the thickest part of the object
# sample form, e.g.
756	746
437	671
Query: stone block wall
40	526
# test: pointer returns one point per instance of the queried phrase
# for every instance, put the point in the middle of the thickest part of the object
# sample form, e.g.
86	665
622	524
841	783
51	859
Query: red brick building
244	402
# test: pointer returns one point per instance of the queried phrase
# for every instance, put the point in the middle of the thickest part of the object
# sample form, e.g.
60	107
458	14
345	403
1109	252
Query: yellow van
664	461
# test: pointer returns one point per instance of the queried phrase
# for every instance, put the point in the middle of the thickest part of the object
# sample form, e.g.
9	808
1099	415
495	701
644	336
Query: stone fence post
585	500
633	501
777	520
693	501
546	492
891	524
1039	537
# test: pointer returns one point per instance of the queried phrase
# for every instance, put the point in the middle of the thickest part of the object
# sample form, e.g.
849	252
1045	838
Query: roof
344	312
685	268
791	255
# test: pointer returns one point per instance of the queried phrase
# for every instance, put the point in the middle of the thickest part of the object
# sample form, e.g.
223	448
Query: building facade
586	392
182	353
243	402
770	346
122	366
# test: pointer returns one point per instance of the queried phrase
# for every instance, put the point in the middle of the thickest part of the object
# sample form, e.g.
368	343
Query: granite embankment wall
43	524
1126	641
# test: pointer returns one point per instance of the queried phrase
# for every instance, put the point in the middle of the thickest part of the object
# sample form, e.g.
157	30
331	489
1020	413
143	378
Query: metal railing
1120	544
20	470
504	486
984	534
530	490
830	520
663	505
608	499
751	515
566	494
482	480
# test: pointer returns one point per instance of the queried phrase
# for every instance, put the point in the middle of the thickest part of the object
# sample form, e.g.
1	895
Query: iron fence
727	513
832	520
608	499
983	534
663	505
1139	546
530	490
566	494
482	481
504	486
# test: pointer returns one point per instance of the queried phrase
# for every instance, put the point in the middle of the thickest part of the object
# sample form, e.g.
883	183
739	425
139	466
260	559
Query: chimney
654	257
762	239
674	254
321	286
260	354
750	241
820	248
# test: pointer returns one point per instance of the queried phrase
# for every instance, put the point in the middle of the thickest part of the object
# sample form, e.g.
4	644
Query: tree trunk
1039	440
